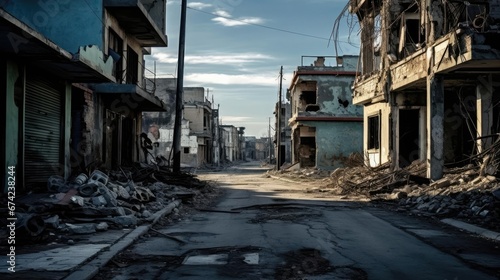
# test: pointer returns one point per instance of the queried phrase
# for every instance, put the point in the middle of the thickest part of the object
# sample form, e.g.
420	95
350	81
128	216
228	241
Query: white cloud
199	5
216	59
263	79
235	118
226	19
237	22
222	13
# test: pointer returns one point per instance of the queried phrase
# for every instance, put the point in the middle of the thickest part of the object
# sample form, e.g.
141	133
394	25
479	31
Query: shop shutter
43	125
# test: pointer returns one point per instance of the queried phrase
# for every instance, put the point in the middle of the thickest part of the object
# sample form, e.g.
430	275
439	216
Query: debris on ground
470	192
104	199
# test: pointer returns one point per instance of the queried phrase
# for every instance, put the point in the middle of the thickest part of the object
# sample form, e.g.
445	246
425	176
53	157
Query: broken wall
335	141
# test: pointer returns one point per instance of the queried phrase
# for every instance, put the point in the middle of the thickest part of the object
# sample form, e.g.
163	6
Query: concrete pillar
435	127
484	109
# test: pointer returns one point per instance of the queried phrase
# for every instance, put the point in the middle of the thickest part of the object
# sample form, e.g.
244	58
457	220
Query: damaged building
197	126
427	82
74	93
326	125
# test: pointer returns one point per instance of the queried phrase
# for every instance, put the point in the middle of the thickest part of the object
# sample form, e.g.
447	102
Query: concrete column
435	127
484	109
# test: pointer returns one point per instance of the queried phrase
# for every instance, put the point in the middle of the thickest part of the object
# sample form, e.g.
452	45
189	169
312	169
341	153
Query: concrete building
197	130
250	148
264	148
75	92
230	144
286	132
428	73
326	126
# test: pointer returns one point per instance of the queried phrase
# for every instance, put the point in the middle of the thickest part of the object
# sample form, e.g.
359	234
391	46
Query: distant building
326	126
286	133
197	124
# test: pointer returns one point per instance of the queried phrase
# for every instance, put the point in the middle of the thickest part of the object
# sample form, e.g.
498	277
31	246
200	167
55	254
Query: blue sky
234	50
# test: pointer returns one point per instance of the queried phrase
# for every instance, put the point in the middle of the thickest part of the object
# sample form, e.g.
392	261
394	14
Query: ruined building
427	82
197	127
326	126
74	84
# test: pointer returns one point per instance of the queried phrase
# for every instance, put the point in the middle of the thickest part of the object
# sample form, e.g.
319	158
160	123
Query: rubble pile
102	200
470	192
462	193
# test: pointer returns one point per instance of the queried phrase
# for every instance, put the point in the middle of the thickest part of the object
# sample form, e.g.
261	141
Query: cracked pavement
269	229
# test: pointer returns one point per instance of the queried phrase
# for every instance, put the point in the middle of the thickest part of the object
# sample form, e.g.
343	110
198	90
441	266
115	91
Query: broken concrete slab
126	221
81	228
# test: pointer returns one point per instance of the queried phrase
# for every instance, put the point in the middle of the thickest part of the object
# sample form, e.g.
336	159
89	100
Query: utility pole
269	139
278	125
179	92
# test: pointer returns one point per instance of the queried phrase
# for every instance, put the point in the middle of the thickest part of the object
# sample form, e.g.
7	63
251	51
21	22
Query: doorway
409	136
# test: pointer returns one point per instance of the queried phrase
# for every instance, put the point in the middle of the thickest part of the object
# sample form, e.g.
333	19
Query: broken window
374	132
411	36
132	66
115	50
186	150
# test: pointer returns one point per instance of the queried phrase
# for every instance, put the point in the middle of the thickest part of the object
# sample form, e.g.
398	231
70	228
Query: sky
235	48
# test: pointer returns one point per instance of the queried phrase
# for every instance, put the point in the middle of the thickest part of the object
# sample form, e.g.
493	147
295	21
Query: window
374	132
115	50
186	150
132	66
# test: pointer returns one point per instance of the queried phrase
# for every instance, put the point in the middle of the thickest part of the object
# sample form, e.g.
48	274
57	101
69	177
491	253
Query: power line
263	26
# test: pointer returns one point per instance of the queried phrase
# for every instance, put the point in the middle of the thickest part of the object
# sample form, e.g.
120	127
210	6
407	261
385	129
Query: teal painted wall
68	23
335	140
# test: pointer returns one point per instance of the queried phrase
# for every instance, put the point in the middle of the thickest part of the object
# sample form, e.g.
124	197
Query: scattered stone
81	228
102	226
129	220
78	200
442	183
52	221
99	200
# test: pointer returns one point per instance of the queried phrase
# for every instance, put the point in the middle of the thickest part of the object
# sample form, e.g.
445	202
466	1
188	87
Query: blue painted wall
68	23
336	140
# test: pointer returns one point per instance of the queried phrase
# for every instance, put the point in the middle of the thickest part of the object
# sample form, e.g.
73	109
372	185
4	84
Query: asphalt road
263	228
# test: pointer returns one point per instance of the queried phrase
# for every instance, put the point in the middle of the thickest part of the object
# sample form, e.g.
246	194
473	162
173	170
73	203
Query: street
263	228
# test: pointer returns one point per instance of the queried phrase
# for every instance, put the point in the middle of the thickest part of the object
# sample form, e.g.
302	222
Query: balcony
143	19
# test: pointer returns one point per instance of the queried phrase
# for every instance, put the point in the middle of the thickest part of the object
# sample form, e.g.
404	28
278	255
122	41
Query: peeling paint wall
51	18
336	141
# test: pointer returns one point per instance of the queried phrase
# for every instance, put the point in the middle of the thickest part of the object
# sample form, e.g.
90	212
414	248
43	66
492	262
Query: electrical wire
262	26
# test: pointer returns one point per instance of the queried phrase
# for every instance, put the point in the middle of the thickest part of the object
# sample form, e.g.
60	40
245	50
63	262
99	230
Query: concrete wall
194	94
187	141
52	18
335	141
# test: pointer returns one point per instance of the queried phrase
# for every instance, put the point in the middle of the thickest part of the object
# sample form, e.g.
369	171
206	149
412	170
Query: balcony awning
129	97
136	21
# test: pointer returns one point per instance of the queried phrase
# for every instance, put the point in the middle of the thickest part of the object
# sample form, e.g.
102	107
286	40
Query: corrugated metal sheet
43	125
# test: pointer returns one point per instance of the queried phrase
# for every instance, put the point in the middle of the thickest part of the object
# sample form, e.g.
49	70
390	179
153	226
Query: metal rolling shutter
42	131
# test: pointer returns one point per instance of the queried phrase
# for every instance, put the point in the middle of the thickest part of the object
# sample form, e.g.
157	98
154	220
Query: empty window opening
374	132
312	108
307	151
115	50
409	142
132	66
186	150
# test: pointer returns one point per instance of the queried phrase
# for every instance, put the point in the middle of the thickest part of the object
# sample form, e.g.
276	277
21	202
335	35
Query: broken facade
326	126
427	82
74	93
197	129
231	144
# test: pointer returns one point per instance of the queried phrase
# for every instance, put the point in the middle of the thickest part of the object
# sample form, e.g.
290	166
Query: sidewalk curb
473	229
90	269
